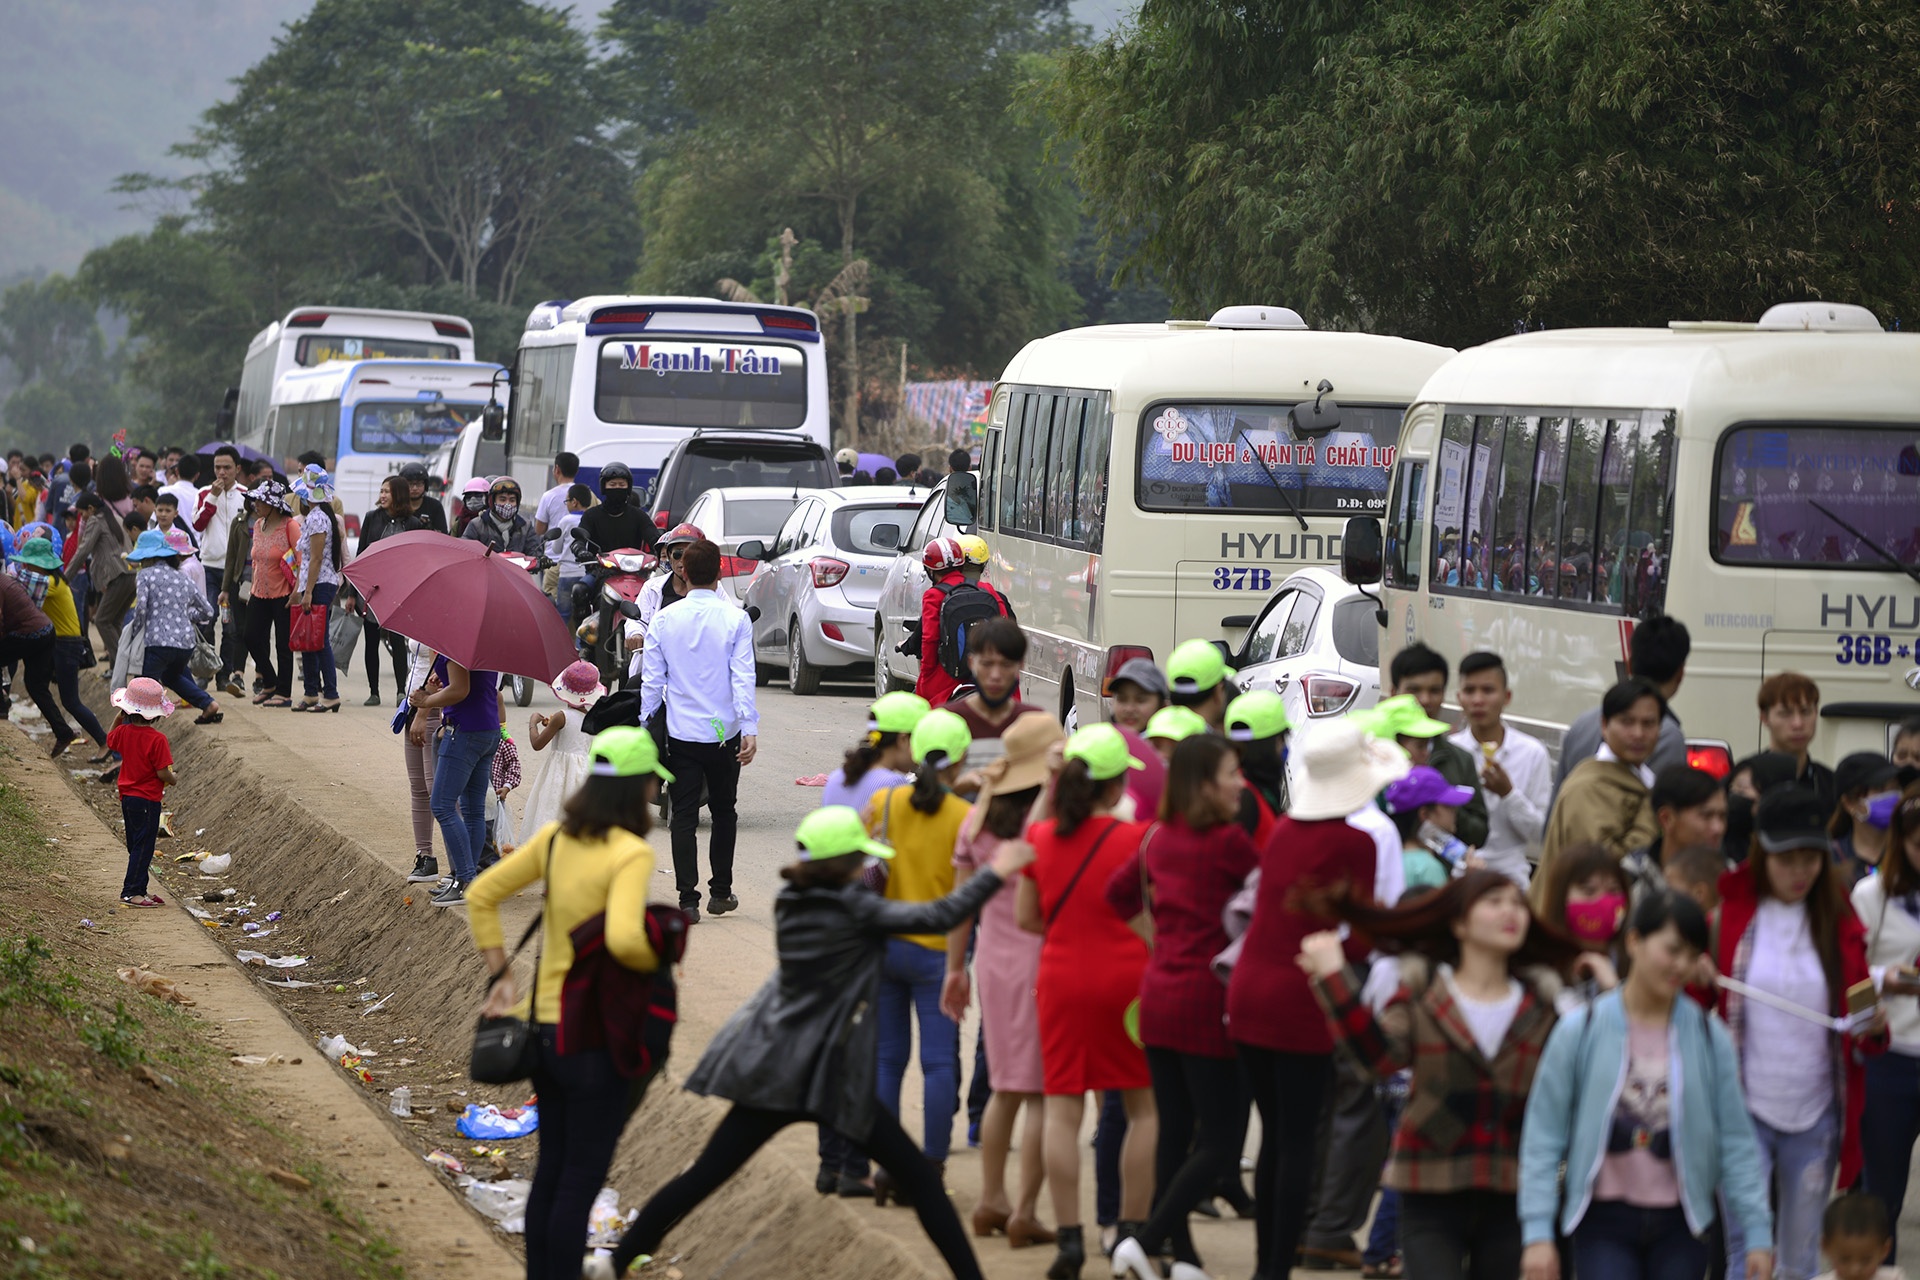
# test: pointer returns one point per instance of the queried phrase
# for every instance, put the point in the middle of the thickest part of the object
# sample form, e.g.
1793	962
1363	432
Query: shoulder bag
504	1049
1142	923
1061	904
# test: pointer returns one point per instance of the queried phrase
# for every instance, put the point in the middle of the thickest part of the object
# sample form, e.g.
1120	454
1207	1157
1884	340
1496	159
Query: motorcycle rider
663	588
473	500
501	526
619	520
428	506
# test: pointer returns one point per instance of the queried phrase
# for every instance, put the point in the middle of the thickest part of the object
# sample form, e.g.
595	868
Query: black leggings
268	639
744	1130
396	647
1203	1124
1461	1235
68	653
1290	1089
35	656
584	1105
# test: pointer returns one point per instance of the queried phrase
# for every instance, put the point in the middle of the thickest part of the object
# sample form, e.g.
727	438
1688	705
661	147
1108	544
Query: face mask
1739	826
615	500
1880	809
1598	920
473	503
505	509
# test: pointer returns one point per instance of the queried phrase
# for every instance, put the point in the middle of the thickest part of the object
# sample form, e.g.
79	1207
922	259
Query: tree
1450	171
68	382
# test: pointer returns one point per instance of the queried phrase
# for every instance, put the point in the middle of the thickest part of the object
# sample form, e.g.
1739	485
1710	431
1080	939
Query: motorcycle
614	580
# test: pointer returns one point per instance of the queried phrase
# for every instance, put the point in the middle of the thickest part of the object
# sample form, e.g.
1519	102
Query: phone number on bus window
1872	651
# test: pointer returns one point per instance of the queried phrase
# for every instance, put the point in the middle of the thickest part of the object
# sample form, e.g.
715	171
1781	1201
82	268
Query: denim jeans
910	979
1473	1235
142	817
316	668
459	797
1621	1241
1799	1168
1893	1100
168	665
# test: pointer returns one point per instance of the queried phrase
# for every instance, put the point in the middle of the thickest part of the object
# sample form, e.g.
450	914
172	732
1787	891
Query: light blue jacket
1570	1112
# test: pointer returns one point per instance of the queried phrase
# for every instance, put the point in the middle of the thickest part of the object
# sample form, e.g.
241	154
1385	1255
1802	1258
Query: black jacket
809	1041
377	524
608	532
519	538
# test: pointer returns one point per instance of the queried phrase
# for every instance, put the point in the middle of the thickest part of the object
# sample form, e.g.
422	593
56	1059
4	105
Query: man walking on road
698	664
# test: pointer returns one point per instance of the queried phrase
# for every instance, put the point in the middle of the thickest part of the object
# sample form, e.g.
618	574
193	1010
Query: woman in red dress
1090	968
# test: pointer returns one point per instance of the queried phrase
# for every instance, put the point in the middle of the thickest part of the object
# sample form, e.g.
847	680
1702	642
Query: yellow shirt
588	877
922	866
58	606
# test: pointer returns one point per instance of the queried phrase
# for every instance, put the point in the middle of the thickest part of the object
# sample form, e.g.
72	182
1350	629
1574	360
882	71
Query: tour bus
1145	484
1758	482
313	336
369	418
624	379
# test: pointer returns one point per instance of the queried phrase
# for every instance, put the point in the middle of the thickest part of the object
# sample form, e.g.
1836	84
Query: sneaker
373	700
719	904
452	894
233	687
693	911
426	868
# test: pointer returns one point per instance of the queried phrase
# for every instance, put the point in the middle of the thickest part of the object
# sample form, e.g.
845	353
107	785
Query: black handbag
505	1050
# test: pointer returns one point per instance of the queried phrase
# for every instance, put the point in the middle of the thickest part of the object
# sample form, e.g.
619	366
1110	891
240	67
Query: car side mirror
1226	652
751	549
1360	551
753	613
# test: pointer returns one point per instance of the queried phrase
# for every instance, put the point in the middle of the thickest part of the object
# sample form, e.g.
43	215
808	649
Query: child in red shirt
146	769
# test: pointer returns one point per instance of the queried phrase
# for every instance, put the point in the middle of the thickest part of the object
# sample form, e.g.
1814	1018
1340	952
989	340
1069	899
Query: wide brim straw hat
579	685
142	697
1340	770
1028	761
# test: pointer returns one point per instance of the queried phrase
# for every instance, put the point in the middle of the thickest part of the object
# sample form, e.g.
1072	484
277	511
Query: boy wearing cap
1422	672
1197	674
1516	778
146	770
1168	727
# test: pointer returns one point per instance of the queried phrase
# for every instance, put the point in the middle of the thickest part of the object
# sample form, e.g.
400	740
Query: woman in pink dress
1007	966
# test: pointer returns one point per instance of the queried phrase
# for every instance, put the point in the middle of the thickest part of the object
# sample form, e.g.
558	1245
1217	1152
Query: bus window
1482	491
1090	494
1549	488
1063	458
319	349
1577	523
700	384
1450	497
1616	545
1239	457
1406	525
1019	405
409	427
1649	529
988	476
1769	476
1512	503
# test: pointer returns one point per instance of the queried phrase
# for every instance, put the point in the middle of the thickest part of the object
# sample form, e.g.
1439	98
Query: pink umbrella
458	598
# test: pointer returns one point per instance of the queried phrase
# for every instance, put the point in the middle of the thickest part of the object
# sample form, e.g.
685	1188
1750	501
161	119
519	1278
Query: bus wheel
803	677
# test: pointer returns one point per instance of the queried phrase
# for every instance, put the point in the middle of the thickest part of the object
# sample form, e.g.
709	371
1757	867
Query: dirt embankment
370	934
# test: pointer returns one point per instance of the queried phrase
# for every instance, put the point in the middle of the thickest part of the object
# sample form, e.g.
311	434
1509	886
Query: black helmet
616	471
414	471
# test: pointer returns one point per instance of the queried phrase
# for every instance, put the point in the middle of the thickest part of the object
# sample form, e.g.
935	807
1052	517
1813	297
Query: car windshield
1773	480
701	384
874	530
756	517
408	426
703	471
1240	457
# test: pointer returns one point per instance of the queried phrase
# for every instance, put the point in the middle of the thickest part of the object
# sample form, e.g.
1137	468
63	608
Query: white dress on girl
560	768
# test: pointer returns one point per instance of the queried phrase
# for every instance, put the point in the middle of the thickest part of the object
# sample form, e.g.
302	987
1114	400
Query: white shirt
185	495
220	510
1789	1076
1645	772
571	566
1489	1020
553	505
1893	940
1516	820
699	661
1389	863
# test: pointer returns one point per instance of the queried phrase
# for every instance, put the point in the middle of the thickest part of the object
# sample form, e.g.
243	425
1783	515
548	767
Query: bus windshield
324	348
1240	457
1773	480
408	426
701	384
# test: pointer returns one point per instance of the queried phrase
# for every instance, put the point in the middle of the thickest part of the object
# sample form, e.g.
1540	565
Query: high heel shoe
885	1189
324	705
1024	1233
1072	1255
1130	1259
988	1221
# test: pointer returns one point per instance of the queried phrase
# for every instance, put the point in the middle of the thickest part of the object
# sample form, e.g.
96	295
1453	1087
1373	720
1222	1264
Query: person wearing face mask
1858	845
501	526
1789	936
1609	798
1586	893
1888	904
1752	778
473	501
618	520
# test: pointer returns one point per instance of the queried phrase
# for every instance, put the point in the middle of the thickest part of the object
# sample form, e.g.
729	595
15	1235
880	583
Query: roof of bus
1723	376
324	382
1142	362
272	331
572	315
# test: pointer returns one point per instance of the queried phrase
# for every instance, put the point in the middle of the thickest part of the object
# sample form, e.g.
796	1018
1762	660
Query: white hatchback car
1317	644
739	514
898	612
820	579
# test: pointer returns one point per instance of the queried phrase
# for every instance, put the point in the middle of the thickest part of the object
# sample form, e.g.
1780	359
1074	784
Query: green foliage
67	380
118	1042
1448	171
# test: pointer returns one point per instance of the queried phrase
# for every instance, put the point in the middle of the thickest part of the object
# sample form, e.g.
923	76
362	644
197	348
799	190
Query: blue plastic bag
487	1124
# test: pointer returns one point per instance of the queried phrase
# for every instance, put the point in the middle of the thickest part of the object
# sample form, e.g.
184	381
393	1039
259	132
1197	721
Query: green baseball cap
1257	714
897	712
1196	666
1103	749
1399	716
1175	724
941	733
625	751
833	831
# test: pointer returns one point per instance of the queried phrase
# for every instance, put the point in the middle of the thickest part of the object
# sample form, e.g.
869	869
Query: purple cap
1424	785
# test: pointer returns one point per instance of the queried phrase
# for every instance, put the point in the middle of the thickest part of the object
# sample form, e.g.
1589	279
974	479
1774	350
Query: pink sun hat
579	685
180	542
143	697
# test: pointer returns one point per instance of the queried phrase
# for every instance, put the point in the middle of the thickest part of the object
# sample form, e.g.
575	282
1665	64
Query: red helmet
681	533
943	553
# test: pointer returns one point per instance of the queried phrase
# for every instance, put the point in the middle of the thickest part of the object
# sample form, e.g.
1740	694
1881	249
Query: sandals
60	748
261	698
143	900
323	705
278	702
305	704
104	756
210	717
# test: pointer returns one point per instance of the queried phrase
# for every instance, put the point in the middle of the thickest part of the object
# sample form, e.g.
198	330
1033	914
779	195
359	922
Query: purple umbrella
247	451
872	462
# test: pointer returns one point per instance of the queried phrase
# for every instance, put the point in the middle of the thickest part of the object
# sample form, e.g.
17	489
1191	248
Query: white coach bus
1145	484
1758	482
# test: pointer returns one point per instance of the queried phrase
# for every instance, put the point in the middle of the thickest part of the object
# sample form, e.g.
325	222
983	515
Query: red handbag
308	632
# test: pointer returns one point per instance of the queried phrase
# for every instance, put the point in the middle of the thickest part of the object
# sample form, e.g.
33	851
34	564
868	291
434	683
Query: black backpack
965	604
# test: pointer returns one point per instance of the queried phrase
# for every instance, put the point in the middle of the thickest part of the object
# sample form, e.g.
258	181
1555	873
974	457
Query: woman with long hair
1478	980
1090	969
1888	904
319	581
1587	892
1006	970
1190	864
1637	1098
272	589
804	1048
1788	934
595	861
1858	844
1608	799
111	482
395	514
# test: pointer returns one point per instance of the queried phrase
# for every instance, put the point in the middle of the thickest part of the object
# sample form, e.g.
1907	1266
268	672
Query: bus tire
803	678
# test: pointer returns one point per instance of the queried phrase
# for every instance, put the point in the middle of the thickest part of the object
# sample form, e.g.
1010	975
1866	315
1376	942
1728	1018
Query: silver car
1317	644
820	579
898	612
731	516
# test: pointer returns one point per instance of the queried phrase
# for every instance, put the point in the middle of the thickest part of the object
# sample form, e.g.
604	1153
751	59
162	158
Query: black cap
1864	770
1791	817
414	471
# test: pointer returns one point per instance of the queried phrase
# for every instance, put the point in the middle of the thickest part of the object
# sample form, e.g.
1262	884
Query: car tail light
1715	758
737	566
827	572
1118	656
1328	695
353	526
664	520
831	630
308	320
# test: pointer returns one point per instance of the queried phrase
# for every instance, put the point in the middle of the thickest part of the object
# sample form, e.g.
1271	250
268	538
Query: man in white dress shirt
1515	772
698	664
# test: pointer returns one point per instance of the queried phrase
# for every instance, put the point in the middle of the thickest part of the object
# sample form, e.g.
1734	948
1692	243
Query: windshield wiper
1871	545
1275	479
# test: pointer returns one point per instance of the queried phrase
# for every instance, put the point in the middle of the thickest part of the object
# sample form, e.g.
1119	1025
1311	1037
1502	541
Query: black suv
725	459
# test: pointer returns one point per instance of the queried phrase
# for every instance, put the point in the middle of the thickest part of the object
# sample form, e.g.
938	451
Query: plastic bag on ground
605	1223
505	1202
489	1122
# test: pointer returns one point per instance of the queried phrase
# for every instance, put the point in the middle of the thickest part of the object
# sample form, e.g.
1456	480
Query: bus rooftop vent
1256	318
1830	317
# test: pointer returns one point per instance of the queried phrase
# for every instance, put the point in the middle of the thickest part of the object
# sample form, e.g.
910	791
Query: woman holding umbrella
469	704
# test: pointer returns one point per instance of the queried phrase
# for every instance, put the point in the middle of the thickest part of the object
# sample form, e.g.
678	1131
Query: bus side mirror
1315	418
1360	551
493	422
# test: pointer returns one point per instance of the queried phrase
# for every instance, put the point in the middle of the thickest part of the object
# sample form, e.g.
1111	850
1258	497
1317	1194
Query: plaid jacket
1461	1127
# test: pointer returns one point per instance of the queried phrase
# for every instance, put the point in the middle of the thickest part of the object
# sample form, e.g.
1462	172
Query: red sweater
1269	1004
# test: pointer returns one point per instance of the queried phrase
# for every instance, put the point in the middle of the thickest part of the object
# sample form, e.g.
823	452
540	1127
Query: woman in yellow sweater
594	862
